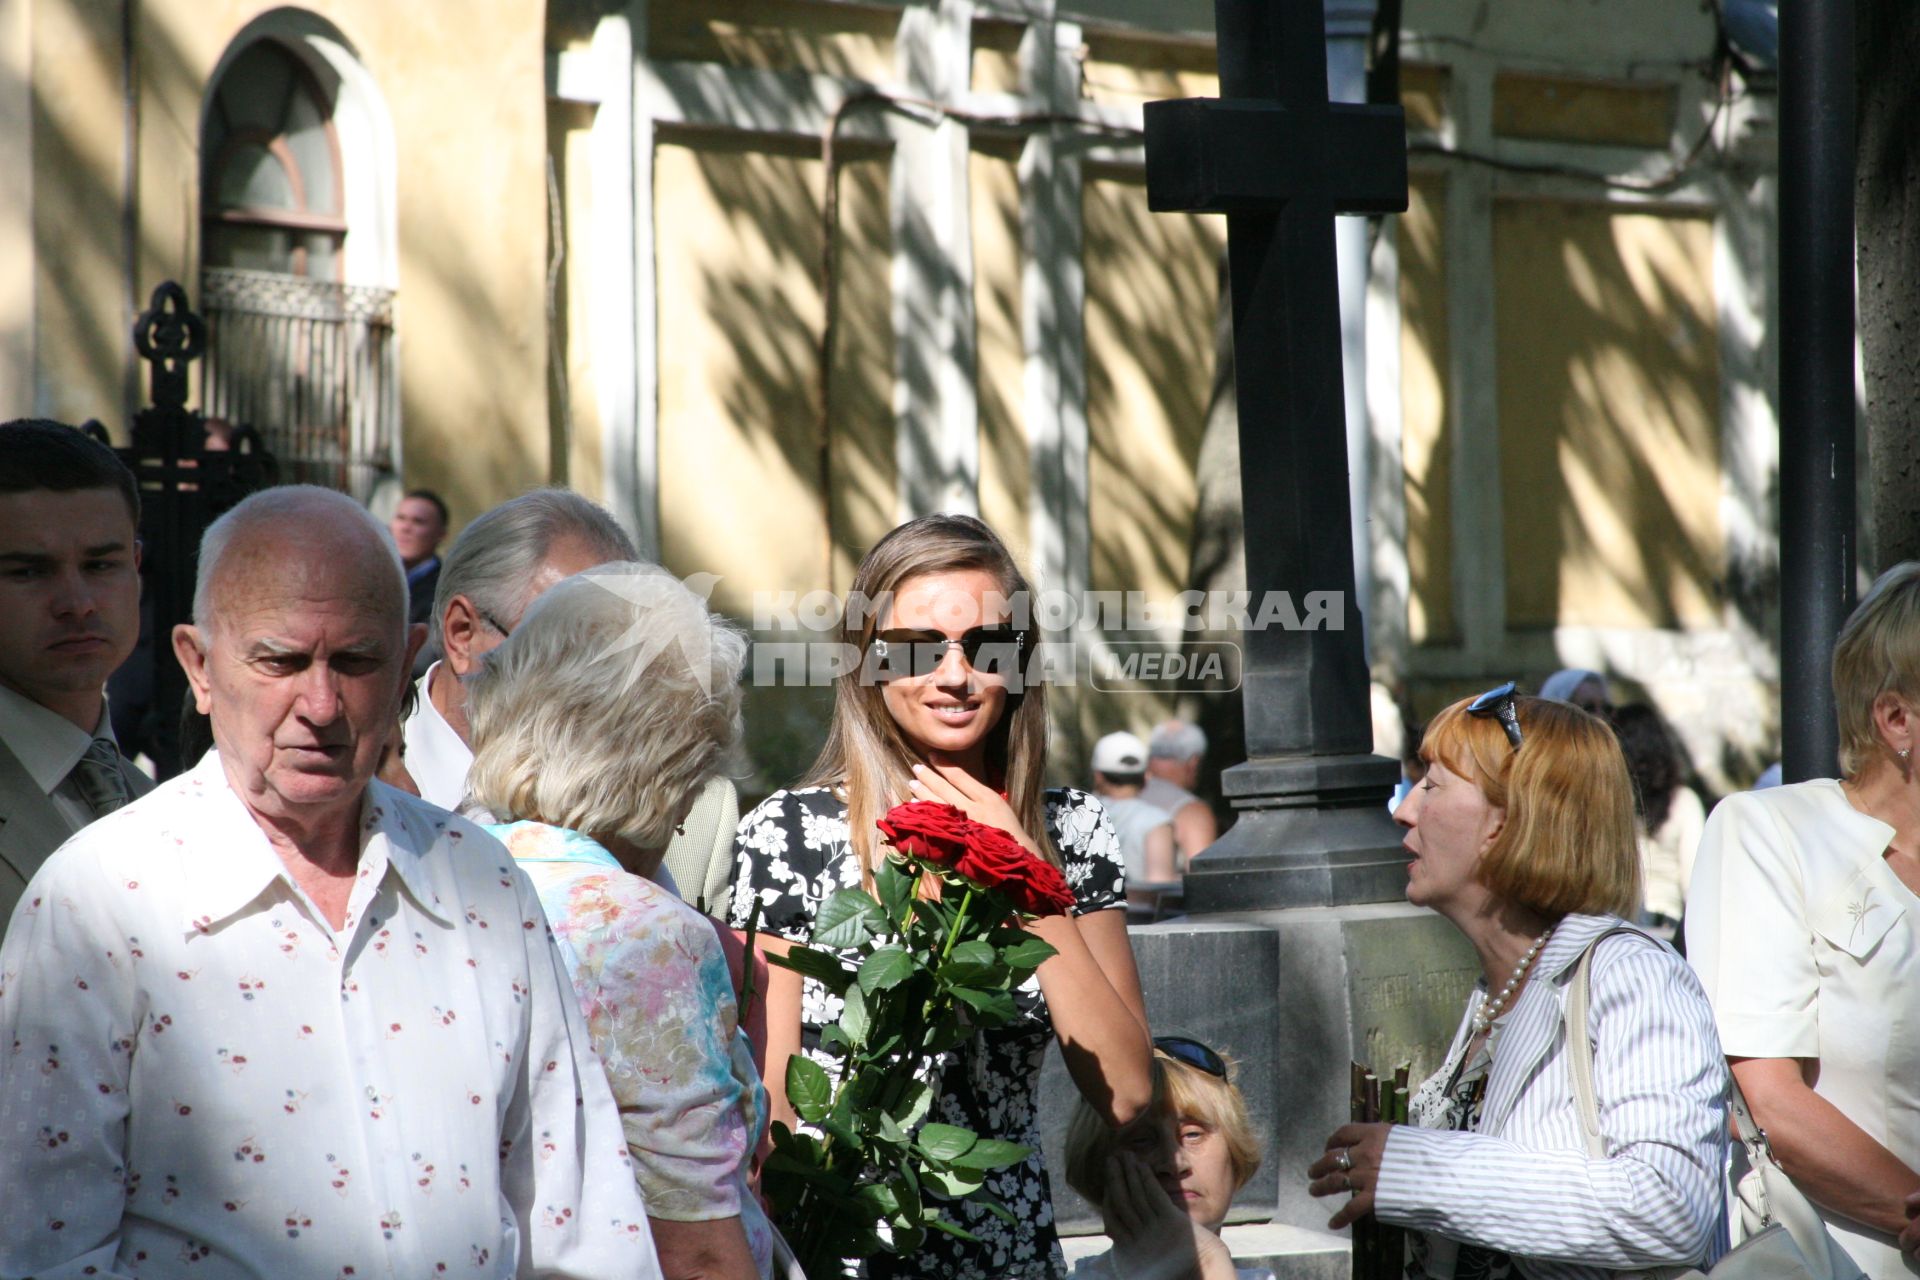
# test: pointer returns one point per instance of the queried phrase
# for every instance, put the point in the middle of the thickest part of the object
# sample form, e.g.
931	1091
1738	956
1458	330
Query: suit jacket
420	595
701	861
32	826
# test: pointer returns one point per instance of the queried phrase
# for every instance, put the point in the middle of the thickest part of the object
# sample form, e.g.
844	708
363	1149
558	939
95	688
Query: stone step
1292	1253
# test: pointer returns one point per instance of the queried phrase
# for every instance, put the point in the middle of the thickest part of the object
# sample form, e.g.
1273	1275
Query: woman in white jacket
1804	923
1522	836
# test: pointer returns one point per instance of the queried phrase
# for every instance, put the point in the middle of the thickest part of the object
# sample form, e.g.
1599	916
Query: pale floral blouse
199	1076
654	987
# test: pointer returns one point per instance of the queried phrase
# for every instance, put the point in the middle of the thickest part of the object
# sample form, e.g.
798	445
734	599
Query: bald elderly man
279	1019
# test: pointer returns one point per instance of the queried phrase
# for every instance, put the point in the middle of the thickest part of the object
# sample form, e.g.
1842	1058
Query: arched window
271	157
297	253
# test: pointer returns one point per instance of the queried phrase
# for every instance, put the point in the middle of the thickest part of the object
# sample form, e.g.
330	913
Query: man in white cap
1174	753
1145	833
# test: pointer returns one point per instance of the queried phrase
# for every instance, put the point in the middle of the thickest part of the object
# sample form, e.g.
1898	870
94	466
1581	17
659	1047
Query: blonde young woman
1804	923
939	710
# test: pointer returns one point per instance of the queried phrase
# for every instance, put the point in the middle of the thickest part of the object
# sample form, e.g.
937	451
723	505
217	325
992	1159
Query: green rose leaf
997	1209
808	1088
994	1007
991	1153
817	965
914	1104
955	1183
890	1130
848	919
1028	953
885	969
970	964
944	1142
842	1131
855	1021
880	1198
895	888
906	1192
907	1238
951	1228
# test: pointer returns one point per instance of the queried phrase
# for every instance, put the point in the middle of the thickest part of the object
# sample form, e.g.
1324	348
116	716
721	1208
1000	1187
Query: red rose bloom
927	830
988	856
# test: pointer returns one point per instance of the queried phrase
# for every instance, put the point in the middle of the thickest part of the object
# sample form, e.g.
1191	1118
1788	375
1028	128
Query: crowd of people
434	960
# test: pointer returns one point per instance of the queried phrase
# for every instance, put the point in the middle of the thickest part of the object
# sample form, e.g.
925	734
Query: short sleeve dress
1808	945
792	853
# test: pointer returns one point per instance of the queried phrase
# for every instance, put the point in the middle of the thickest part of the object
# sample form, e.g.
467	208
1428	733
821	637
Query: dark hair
41	454
1122	779
1653	760
439	503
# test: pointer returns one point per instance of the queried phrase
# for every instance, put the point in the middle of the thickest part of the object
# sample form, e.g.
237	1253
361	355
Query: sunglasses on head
907	652
1497	704
1193	1053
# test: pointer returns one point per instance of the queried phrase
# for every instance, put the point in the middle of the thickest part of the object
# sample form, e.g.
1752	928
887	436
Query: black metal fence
312	366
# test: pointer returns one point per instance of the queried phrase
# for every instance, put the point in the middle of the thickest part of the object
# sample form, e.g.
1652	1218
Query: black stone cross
1281	161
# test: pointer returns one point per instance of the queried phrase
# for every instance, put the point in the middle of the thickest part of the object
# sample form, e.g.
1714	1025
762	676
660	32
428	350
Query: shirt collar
1570	940
46	742
437	757
233	861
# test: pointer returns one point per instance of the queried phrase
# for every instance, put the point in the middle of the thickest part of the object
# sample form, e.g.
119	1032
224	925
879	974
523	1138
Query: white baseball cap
1119	754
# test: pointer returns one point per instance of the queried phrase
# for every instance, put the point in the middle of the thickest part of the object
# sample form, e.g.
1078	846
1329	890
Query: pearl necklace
1493	1008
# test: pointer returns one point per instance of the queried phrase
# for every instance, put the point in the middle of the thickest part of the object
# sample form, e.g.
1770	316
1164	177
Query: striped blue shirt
1524	1184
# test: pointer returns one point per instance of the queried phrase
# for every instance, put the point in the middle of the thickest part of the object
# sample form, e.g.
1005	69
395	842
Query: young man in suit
69	614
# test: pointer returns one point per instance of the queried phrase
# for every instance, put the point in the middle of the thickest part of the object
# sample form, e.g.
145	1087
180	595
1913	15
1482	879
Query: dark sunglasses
902	652
1498	704
1193	1053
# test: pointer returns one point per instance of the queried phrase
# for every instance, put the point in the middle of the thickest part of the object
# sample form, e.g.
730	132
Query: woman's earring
682	827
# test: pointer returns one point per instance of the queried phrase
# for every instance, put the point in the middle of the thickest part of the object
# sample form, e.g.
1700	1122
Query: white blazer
1523	1183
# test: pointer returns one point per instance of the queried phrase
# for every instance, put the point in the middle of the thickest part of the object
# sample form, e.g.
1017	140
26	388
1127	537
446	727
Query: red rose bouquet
918	975
986	857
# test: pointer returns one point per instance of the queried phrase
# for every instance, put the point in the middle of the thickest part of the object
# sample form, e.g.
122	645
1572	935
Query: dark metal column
1817	520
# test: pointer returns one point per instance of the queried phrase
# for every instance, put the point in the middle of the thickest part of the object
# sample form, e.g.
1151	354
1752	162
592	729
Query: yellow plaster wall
995	61
575	410
1426	415
1151	308
826	36
82	323
1608	401
1424	92
1553	108
738	248
465	91
1006	473
741	487
1125	69
16	207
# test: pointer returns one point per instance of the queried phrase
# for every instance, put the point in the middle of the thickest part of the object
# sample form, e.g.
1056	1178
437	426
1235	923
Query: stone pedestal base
1294	995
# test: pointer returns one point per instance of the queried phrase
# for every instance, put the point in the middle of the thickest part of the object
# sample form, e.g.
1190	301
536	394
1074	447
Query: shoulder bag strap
1580	1046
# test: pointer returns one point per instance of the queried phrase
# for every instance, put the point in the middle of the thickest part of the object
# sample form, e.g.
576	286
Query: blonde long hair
867	757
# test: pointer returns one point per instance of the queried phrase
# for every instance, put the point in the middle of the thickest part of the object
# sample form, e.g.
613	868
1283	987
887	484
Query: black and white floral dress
792	853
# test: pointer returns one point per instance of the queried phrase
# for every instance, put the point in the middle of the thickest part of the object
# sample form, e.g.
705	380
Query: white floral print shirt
200	1077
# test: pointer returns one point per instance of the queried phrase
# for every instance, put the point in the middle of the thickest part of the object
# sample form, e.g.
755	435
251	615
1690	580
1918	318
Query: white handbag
1782	1236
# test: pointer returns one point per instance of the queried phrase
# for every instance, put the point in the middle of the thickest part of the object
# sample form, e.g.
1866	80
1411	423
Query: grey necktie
98	776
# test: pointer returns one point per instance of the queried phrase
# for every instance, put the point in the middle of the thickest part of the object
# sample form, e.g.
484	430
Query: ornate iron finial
169	336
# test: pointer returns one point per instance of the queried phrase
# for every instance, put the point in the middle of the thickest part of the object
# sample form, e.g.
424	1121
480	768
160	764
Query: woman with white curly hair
595	727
